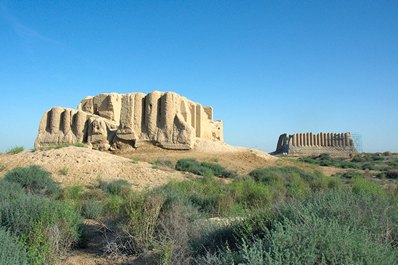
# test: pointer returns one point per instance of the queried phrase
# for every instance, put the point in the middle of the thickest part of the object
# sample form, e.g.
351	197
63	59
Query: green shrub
74	192
34	180
325	182
332	227
219	170
11	251
47	227
318	241
368	166
10	191
114	204
92	209
117	187
193	166
143	213
251	194
15	150
296	186
275	174
360	184
204	168
163	163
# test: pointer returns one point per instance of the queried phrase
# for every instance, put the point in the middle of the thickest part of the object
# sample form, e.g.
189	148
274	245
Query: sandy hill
72	165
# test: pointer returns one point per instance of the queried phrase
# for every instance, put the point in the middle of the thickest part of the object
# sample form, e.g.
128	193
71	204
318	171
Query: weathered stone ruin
338	144
123	121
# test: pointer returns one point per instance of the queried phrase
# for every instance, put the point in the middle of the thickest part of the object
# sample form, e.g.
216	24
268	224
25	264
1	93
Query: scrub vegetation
273	215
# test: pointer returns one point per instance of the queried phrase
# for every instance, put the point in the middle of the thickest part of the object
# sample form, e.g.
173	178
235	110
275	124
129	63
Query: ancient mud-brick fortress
339	144
123	121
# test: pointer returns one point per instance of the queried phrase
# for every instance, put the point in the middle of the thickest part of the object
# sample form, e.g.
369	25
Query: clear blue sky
267	67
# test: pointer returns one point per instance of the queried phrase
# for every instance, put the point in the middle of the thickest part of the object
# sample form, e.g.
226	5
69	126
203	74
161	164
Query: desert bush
317	242
332	227
47	227
174	234
142	219
204	168
163	163
74	192
117	187
193	166
92	209
350	174
15	150
361	184
368	166
34	180
2	167
219	170
114	205
251	194
10	191
276	174
12	252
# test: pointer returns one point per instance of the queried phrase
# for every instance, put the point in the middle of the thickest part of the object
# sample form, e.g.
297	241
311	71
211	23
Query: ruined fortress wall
339	144
117	121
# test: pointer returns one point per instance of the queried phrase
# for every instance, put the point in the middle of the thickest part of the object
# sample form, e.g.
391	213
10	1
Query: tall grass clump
15	150
12	252
34	180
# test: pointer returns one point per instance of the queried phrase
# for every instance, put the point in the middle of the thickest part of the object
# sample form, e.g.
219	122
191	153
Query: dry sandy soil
77	165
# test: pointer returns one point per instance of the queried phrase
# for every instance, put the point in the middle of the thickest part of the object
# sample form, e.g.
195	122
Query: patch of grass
135	160
204	168
63	171
60	145
34	180
15	150
2	167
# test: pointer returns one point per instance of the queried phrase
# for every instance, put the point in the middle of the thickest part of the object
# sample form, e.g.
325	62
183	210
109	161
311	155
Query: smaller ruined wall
339	144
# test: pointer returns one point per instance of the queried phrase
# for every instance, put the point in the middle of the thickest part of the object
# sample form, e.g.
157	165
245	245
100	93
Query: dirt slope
72	165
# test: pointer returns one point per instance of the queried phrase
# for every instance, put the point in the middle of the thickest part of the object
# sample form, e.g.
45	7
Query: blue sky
267	67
